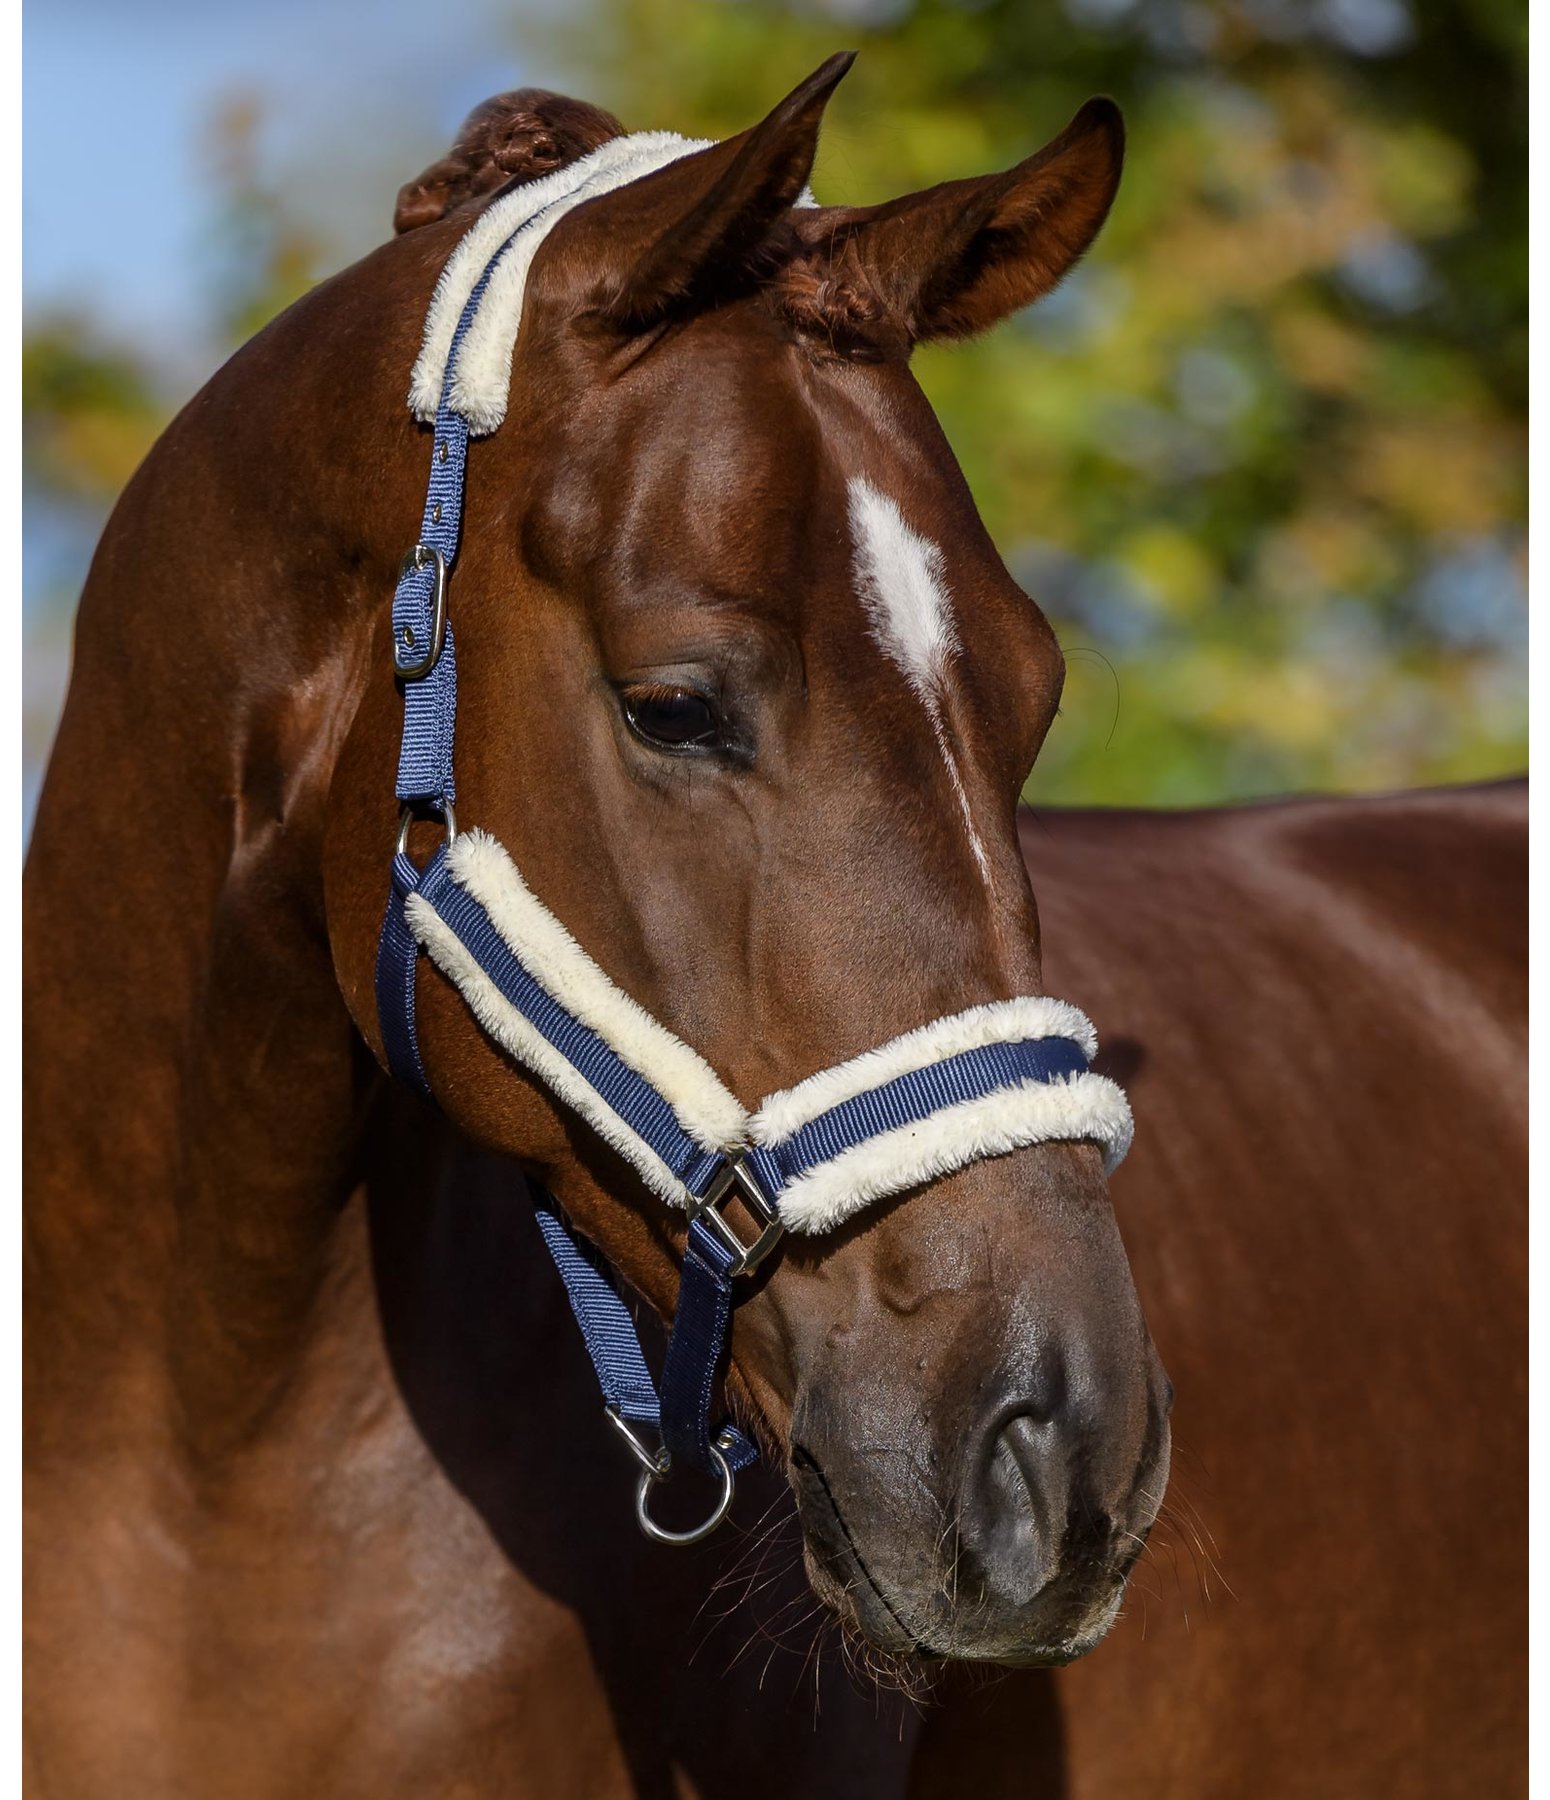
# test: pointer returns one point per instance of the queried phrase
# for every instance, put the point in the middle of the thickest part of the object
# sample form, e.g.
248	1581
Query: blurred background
1262	459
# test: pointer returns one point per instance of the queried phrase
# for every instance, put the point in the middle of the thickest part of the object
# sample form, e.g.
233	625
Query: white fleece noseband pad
1078	1105
799	1140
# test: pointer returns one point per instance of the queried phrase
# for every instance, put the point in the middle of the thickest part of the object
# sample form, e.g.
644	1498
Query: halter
972	1085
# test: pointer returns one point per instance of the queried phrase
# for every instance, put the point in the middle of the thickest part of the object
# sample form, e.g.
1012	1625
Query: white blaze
902	580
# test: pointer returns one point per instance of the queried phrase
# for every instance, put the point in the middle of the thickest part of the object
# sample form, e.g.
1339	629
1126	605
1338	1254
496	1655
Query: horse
319	1494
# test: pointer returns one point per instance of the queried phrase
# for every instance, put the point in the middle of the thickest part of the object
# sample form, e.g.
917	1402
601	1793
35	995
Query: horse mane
820	290
509	138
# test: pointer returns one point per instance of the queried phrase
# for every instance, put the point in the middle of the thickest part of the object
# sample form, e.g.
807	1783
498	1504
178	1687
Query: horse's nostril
1048	1496
1042	1396
1013	1517
1018	1454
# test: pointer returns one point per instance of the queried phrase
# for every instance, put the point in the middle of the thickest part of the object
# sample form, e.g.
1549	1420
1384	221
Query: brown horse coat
318	1497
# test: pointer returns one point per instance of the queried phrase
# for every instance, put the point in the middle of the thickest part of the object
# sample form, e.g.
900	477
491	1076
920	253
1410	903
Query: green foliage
92	406
261	258
89	409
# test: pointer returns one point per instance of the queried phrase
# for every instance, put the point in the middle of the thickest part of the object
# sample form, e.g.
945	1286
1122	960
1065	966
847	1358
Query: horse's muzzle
977	1465
1029	1556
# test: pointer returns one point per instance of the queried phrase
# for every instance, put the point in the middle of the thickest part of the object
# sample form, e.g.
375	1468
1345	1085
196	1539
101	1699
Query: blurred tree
91	406
260	257
89	410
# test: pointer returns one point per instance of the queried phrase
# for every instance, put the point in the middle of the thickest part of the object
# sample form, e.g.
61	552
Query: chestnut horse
319	1496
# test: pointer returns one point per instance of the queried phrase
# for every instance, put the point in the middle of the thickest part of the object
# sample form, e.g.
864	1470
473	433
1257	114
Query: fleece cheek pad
978	1083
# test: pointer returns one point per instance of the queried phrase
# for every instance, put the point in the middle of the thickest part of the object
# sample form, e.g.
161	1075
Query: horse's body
320	1499
1324	1007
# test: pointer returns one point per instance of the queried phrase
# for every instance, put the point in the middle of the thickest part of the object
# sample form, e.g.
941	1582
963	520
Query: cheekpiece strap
425	663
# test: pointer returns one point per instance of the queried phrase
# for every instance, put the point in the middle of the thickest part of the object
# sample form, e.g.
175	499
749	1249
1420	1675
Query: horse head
749	696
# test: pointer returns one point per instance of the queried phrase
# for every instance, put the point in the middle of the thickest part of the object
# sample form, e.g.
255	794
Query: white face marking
902	580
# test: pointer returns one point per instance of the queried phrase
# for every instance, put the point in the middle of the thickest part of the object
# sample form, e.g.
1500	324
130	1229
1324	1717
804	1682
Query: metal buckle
407	816
657	1466
746	1257
420	557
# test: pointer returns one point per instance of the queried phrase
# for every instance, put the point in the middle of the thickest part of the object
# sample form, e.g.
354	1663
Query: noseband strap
979	1083
1012	1070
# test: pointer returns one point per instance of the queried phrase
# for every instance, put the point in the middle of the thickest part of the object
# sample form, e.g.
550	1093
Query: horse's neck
190	1127
195	1084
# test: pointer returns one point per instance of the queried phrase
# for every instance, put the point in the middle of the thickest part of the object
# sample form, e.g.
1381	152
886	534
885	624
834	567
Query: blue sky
118	95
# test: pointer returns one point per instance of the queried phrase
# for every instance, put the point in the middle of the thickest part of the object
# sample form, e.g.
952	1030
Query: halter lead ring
656	1467
660	1534
976	1084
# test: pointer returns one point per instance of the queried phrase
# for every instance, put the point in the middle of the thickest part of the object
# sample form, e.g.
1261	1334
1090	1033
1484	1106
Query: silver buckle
420	557
746	1257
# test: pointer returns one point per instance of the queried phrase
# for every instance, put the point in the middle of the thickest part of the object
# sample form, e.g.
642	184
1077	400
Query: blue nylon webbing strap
425	773
425	777
397	958
694	1354
682	1415
606	1326
426	780
910	1099
430	701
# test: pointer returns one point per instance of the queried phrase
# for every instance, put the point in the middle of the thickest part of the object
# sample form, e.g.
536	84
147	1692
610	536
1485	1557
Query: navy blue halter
706	1174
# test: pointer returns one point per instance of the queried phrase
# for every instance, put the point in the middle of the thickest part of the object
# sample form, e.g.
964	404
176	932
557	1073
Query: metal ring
407	816
658	1533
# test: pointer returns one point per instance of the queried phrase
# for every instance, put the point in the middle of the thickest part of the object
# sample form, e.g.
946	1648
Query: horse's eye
674	718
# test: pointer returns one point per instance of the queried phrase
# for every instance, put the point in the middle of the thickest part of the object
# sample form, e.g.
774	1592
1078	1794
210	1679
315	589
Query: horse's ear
652	246
513	137
954	259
